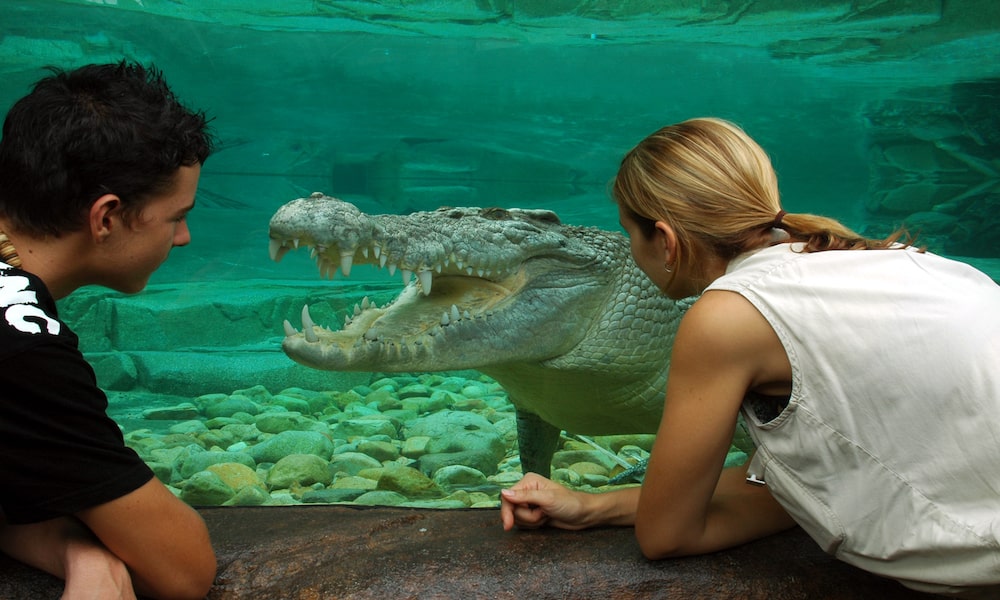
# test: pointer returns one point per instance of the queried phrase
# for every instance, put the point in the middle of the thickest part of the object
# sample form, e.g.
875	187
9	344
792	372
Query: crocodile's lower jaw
412	318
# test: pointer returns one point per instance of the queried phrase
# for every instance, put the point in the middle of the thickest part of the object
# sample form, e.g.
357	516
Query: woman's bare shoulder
724	331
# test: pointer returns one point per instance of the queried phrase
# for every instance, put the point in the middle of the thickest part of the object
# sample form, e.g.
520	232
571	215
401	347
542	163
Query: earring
667	268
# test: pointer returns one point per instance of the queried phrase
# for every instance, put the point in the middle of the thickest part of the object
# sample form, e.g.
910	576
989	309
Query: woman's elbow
657	544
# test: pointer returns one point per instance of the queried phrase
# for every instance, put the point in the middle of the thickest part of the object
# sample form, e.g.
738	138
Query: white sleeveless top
888	453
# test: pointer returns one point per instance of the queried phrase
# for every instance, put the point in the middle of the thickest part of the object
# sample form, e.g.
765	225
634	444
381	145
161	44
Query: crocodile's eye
496	214
546	216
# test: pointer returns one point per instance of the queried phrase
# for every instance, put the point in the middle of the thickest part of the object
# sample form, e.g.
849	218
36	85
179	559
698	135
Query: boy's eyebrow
186	209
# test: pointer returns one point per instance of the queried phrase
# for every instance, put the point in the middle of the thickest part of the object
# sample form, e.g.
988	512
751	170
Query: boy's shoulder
28	314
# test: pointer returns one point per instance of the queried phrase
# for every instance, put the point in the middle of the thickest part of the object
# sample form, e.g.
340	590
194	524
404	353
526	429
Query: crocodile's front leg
537	441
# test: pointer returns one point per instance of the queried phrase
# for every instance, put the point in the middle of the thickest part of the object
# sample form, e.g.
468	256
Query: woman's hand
536	501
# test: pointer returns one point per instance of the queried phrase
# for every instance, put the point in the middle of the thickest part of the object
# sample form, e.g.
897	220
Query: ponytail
823	233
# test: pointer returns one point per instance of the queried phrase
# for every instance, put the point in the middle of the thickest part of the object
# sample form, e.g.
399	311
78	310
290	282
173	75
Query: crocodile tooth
295	243
313	252
346	261
276	250
326	268
381	259
366	303
444	318
392	269
289	330
357	310
426	280
377	251
347	321
407	276
466	315
371	335
307	325
364	251
455	315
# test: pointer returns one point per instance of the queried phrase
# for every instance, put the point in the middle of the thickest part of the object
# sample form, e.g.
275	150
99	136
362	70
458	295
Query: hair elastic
776	224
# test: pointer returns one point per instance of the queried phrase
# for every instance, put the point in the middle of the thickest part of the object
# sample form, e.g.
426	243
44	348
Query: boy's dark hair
99	129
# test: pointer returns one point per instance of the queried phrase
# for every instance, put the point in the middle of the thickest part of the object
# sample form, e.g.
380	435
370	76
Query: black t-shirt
60	452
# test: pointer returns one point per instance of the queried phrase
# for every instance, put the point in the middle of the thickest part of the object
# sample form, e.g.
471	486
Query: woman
868	373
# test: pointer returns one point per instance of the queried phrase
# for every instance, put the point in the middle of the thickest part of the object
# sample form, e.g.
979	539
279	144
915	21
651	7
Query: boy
98	170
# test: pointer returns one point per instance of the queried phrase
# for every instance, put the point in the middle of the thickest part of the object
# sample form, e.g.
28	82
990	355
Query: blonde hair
716	188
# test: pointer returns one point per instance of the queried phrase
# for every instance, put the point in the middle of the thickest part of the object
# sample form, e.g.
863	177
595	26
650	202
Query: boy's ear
104	216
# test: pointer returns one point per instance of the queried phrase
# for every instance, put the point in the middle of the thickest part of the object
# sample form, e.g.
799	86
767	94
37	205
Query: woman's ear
667	240
104	216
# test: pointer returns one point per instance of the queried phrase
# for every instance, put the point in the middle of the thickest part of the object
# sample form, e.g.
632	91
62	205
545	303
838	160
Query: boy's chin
131	287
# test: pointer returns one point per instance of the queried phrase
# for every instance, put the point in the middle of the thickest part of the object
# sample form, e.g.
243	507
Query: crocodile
559	315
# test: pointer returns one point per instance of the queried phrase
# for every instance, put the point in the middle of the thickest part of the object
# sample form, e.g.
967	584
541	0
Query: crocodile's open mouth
435	296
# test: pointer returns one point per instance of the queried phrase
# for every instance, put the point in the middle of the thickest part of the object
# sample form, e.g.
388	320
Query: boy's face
144	245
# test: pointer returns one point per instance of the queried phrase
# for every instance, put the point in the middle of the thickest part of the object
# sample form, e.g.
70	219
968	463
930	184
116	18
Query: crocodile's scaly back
559	315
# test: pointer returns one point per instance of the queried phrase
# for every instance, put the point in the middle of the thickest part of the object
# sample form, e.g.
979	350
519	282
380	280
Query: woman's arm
689	505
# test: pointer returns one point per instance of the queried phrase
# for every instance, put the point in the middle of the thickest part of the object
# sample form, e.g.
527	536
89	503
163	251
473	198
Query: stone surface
320	552
200	461
206	489
292	442
299	469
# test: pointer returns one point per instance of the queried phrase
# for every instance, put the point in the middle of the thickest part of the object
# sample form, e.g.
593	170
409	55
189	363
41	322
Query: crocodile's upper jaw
462	322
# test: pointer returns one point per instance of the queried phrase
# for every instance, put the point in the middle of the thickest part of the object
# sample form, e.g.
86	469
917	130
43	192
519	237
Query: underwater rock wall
417	104
790	29
197	338
935	162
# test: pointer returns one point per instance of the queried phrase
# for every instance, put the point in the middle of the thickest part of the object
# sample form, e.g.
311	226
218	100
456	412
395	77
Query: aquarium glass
880	114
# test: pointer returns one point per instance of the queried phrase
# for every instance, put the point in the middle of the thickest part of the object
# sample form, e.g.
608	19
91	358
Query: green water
879	114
